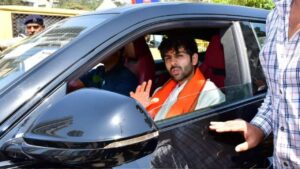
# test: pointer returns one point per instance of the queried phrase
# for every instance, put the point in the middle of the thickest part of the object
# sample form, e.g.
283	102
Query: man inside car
110	75
187	90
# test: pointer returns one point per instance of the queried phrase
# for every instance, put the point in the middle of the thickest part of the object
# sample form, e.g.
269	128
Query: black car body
43	124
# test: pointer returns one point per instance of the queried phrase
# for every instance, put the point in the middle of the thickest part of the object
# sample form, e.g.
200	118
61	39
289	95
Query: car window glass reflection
260	30
22	57
254	35
110	74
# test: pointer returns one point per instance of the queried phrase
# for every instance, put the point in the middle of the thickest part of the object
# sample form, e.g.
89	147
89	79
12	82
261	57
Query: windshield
19	59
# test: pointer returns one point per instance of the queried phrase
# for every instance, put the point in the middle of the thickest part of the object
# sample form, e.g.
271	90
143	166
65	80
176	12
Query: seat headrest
129	51
140	47
141	62
214	56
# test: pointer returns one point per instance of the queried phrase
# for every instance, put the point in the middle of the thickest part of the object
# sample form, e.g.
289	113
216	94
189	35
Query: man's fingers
229	126
215	125
143	86
138	89
252	134
148	87
242	147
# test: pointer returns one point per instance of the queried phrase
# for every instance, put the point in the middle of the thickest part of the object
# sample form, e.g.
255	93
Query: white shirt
280	111
210	95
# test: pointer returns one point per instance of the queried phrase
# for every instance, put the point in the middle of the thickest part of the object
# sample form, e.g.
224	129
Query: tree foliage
79	4
266	4
67	4
11	2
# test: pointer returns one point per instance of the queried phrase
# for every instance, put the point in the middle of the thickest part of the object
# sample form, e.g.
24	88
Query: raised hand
142	93
252	134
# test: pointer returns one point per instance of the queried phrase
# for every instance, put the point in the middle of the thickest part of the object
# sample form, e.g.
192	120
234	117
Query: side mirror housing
92	127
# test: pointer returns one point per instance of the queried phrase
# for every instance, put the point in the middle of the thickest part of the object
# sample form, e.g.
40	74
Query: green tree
79	4
11	2
266	4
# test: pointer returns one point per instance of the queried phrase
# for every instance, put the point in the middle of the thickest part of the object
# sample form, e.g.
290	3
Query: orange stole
187	98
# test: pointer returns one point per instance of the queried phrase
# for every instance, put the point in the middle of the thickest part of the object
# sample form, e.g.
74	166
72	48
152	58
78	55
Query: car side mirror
92	127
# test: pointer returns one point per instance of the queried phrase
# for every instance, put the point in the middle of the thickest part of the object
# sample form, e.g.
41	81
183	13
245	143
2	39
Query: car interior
217	59
212	62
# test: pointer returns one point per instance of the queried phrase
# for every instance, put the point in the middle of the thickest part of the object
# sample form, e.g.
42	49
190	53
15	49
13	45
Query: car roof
158	9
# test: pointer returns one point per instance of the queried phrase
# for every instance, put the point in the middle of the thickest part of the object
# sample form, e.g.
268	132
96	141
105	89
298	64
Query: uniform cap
34	19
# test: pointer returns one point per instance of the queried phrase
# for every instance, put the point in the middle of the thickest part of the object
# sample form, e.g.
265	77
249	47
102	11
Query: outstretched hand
252	134
142	93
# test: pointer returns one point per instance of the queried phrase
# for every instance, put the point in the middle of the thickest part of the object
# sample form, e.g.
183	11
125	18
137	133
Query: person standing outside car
34	24
279	112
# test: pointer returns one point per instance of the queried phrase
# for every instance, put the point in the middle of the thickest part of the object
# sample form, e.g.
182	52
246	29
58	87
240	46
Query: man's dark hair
175	42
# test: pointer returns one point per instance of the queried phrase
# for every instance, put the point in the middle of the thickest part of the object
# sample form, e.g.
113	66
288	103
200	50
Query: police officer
34	24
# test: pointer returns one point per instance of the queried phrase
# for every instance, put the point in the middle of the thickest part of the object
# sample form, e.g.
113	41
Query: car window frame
166	26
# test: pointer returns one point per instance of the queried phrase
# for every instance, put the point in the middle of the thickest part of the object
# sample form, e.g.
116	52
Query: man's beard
185	73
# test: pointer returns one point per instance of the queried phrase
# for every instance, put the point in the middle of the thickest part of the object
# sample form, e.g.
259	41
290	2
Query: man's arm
90	79
87	80
253	132
263	118
75	85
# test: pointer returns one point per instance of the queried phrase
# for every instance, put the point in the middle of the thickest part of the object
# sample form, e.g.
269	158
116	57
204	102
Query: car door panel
192	145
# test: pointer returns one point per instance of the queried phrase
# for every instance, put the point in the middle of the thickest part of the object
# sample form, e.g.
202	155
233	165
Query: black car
46	121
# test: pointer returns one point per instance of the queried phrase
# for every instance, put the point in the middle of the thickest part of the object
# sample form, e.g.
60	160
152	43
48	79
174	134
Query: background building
12	18
41	3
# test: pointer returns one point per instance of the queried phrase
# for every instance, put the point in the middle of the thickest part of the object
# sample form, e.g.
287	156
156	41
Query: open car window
17	60
190	102
207	99
213	48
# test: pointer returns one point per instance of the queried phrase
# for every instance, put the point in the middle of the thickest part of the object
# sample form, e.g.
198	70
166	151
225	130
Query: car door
186	141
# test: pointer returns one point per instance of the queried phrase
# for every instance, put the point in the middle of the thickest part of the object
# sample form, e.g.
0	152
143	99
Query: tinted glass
254	36
21	58
260	32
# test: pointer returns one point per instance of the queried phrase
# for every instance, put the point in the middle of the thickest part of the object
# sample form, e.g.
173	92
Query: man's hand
142	93
252	134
